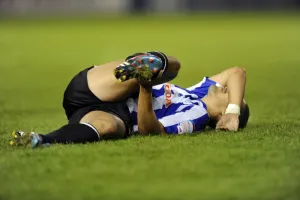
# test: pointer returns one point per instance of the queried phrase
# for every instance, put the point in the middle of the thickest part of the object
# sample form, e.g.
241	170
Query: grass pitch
39	57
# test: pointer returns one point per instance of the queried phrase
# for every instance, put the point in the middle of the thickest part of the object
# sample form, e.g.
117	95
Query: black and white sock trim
92	127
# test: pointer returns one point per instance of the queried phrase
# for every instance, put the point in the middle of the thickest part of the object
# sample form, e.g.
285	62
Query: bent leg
106	87
94	126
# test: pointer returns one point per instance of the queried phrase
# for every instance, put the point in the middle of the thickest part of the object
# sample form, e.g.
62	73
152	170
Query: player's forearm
236	86
147	121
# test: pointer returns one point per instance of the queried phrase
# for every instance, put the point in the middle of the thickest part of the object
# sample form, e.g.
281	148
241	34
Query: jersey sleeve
201	88
194	119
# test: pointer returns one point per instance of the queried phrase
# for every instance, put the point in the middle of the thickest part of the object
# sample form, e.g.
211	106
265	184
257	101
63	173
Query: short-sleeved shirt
179	110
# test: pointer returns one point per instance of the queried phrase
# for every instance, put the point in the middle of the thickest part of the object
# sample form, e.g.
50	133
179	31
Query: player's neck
213	109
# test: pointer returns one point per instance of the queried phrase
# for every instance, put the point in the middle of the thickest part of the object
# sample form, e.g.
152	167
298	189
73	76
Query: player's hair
243	118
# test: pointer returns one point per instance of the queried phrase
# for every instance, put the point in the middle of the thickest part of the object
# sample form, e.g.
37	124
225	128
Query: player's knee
112	130
174	64
238	70
110	127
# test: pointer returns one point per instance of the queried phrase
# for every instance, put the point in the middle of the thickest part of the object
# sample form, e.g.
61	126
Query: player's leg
93	127
109	126
105	85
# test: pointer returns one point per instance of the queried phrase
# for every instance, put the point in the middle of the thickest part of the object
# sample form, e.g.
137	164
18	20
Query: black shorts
79	100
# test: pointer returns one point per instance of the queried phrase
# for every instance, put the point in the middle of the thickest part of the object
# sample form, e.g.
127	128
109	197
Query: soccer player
108	102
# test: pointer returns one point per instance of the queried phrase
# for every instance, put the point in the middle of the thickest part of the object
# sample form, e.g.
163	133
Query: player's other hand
228	122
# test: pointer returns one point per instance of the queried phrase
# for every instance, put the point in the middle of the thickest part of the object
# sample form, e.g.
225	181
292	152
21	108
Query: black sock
72	133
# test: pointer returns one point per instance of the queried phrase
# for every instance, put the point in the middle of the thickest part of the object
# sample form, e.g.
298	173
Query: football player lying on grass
113	100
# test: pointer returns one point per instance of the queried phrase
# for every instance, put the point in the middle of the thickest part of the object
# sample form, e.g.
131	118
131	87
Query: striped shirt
179	110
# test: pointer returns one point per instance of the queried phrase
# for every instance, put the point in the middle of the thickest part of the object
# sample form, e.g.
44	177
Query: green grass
38	59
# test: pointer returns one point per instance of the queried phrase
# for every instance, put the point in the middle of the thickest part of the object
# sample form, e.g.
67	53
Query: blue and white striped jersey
180	110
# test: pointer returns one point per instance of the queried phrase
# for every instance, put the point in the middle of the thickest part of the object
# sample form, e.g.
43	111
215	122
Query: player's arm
147	121
235	81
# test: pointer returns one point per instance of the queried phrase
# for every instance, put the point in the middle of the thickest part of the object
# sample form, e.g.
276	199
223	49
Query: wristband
233	109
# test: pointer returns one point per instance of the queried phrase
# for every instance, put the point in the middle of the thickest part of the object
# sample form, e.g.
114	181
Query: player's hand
146	87
228	122
145	83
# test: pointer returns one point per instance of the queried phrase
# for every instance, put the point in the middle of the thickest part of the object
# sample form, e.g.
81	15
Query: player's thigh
108	125
106	87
